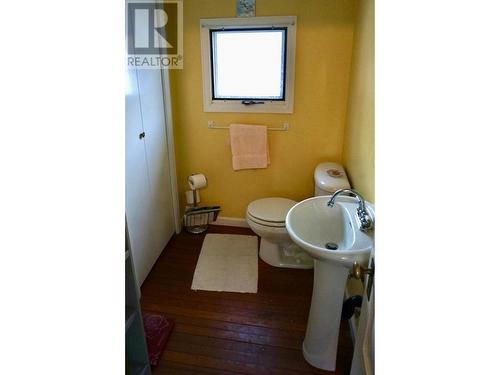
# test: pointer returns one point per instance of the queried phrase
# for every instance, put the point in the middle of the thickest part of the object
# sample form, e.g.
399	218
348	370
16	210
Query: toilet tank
328	178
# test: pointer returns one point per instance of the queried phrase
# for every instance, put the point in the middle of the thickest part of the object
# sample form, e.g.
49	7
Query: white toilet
266	217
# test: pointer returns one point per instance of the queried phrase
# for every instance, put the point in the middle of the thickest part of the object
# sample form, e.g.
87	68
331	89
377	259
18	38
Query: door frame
169	127
363	356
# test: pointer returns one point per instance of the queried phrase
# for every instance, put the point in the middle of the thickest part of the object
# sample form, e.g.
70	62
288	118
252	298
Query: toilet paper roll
197	181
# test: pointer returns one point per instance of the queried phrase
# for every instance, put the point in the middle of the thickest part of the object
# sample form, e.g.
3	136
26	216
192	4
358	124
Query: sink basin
318	229
331	236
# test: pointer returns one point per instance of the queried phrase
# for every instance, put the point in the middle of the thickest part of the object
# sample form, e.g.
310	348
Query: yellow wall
322	66
359	141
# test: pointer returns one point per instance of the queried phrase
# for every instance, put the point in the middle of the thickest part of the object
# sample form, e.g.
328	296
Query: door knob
358	272
142	135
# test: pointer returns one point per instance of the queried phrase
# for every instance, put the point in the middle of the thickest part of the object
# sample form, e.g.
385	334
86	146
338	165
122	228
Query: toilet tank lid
270	209
331	177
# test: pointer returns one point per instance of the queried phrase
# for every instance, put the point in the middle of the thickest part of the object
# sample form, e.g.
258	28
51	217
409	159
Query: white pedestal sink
318	229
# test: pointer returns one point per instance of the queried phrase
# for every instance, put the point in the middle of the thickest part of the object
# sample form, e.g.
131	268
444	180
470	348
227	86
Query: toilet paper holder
196	181
196	219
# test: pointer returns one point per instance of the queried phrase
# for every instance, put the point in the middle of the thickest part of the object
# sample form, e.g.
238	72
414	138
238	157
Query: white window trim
269	106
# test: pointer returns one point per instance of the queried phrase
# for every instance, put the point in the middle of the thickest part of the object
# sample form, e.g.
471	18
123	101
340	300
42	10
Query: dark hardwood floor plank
244	328
239	336
226	364
261	355
261	321
279	305
173	368
259	314
233	333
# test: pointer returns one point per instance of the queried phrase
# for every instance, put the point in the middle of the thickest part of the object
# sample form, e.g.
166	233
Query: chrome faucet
365	220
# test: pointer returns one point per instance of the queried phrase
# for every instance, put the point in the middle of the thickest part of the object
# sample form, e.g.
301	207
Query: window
248	64
239	72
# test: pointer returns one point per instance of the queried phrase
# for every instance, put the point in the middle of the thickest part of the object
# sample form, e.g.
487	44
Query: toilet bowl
266	217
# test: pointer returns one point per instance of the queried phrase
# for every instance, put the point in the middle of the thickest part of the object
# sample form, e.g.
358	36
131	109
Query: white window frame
269	106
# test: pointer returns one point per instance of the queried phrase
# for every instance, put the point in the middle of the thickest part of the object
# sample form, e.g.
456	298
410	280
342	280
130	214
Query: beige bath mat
227	263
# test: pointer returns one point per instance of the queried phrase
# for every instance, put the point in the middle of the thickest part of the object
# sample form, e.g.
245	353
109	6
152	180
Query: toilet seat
270	211
266	223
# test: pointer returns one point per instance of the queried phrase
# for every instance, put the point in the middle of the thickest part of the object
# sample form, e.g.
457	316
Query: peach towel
249	146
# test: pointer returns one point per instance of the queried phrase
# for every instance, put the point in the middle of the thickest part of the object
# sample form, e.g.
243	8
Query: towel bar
211	125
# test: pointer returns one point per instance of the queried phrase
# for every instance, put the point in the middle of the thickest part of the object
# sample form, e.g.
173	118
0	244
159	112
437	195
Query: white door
363	360
153	120
148	195
137	191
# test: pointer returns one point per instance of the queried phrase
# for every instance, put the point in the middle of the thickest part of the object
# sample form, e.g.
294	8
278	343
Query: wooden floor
233	333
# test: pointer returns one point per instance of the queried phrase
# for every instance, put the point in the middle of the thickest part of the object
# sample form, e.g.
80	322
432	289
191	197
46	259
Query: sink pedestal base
287	255
321	340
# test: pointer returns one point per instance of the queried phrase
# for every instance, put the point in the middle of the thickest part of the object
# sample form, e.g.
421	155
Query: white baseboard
231	222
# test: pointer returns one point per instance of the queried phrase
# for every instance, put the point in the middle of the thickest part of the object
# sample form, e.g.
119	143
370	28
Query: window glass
248	63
